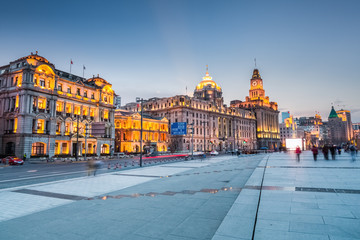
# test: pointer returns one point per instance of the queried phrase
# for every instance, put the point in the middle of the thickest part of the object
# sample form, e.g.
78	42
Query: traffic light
245	141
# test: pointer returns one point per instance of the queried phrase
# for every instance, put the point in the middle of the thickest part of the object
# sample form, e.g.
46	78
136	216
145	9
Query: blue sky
308	52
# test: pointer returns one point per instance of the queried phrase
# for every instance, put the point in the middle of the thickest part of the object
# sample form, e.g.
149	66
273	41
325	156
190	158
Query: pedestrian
24	158
333	151
325	151
315	152
91	165
238	153
352	152
339	150
298	152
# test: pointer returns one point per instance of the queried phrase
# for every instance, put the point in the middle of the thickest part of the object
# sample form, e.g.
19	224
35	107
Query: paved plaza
265	196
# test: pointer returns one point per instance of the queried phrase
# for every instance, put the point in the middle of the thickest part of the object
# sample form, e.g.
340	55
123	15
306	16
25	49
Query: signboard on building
178	128
98	129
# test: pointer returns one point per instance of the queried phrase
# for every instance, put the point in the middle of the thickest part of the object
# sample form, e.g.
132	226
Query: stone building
127	132
336	129
266	113
42	108
216	126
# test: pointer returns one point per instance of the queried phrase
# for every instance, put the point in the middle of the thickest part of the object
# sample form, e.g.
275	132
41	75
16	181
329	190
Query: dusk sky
307	52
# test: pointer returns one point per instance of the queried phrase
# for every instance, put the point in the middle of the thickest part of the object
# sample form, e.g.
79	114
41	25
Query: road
27	174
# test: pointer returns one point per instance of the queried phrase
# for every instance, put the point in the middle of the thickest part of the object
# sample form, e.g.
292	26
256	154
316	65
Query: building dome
35	57
97	81
208	82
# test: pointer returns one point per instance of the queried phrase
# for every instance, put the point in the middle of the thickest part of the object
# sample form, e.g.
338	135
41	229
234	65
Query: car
214	153
13	161
121	155
198	153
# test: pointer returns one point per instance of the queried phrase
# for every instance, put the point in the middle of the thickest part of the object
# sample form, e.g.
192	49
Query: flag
71	62
84	67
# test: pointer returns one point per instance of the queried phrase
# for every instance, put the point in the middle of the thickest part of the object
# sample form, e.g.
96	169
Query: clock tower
266	113
256	86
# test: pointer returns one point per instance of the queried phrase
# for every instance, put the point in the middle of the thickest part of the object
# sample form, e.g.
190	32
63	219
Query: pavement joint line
303	189
308	167
167	193
50	194
138	175
177	167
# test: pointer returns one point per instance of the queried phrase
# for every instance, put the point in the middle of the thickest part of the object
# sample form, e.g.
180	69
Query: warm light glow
17	101
293	143
15	124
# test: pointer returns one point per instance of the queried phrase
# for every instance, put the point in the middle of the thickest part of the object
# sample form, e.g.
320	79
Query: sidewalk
298	200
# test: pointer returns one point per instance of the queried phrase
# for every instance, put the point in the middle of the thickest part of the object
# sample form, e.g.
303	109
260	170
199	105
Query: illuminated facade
127	132
314	129
266	113
216	127
288	130
41	108
345	116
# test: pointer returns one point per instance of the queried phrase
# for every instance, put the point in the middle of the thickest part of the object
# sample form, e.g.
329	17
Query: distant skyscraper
284	115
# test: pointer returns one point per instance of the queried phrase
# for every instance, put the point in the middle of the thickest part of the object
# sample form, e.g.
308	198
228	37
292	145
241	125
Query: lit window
68	108
42	103
106	114
77	110
59	106
42	83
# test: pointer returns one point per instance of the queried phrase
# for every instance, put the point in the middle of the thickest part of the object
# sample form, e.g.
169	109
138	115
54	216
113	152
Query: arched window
105	148
38	148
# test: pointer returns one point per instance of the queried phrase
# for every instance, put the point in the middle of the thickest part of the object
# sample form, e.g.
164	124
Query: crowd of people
330	149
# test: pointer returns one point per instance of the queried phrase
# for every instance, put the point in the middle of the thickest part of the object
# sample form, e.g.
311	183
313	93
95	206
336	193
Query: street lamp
77	139
86	132
141	100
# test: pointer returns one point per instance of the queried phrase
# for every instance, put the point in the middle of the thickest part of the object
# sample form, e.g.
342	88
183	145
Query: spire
256	74
333	113
207	70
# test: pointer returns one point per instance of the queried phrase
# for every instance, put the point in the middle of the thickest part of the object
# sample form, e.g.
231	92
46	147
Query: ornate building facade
266	113
336	129
127	132
216	127
42	109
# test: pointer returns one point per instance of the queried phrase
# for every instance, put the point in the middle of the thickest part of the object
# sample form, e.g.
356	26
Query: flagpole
83	70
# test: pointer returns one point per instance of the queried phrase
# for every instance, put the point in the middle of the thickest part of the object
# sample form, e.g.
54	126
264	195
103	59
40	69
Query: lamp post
77	139
86	130
141	100
192	139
